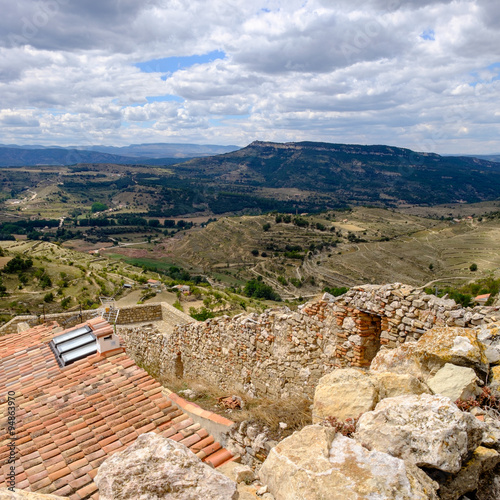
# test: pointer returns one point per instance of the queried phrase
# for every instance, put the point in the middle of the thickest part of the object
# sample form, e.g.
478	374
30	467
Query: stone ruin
281	353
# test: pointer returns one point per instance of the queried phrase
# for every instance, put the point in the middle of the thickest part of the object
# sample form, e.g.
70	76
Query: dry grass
294	411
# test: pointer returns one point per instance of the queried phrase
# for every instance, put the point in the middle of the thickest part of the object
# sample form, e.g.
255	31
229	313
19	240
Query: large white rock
436	347
489	336
391	385
399	360
154	468
455	382
6	494
429	431
316	464
494	379
344	393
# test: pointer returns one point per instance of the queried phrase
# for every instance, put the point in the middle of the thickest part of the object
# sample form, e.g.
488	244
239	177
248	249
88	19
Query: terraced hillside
366	245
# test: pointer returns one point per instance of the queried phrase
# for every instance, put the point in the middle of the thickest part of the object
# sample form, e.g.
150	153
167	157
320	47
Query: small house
482	299
185	289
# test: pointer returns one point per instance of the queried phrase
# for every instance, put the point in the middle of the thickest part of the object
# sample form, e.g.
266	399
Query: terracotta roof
69	420
483	297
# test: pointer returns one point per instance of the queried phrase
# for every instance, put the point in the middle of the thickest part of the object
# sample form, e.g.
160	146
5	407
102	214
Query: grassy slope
414	243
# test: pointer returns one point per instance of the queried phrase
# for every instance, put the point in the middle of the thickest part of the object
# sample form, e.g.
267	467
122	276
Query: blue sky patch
428	35
164	98
493	68
170	65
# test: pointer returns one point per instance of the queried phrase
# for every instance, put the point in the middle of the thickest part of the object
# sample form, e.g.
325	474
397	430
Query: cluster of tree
97	206
7	229
257	289
336	291
18	264
133	220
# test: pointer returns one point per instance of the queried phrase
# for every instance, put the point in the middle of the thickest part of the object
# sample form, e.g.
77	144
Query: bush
178	305
202	314
346	428
255	252
473	267
98	207
49	297
266	226
18	264
336	291
259	290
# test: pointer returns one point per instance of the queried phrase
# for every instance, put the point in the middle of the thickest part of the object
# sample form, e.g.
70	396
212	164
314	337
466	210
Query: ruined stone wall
280	353
128	315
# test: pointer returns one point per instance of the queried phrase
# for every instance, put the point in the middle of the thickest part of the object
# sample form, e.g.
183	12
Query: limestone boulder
494	379
436	347
429	431
6	494
455	382
394	384
344	393
155	467
491	434
482	461
458	346
237	472
313	463
399	360
489	336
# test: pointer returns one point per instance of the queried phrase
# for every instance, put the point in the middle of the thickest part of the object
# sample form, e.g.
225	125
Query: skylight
73	345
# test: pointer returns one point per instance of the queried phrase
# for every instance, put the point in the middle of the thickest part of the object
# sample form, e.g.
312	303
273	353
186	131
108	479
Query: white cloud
345	71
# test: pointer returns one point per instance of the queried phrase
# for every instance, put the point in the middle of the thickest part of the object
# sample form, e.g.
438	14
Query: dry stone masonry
282	353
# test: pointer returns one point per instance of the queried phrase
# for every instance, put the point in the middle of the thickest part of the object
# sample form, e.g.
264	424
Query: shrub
18	264
486	400
202	314
258	290
473	267
98	207
178	305
346	428
49	297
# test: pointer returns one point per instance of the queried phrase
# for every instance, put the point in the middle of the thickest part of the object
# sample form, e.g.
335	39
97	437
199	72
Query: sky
421	74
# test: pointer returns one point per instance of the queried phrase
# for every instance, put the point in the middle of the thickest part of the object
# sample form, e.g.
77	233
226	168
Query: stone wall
128	315
282	353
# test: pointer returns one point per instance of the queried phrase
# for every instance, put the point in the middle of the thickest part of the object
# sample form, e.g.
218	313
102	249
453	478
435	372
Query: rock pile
409	432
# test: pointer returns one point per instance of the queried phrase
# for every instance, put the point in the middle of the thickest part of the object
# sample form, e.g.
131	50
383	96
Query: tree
98	207
259	290
266	226
473	267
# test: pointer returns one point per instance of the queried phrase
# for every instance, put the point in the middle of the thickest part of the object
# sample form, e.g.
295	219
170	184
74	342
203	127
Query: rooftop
70	419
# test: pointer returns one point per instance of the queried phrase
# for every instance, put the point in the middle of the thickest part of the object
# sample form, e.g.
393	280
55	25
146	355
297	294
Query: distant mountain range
145	154
322	174
352	173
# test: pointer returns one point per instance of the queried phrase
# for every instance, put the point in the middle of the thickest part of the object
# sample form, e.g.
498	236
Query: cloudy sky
423	74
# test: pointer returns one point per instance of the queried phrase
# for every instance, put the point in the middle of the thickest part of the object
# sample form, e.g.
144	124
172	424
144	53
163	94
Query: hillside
353	174
364	245
149	154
